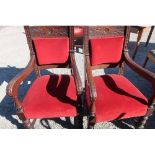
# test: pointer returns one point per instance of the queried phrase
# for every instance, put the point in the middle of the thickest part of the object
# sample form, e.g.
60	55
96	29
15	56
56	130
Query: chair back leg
145	61
143	120
137	43
149	36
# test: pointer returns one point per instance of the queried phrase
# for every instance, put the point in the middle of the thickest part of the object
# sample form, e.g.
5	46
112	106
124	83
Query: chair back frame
54	31
101	32
47	32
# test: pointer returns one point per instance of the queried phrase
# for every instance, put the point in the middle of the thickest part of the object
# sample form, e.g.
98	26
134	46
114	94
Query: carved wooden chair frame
44	31
102	31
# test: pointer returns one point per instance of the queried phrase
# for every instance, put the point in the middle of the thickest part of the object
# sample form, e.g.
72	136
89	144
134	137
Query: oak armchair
112	96
53	95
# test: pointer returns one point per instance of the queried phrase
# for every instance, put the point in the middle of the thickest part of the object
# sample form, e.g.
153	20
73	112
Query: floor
14	56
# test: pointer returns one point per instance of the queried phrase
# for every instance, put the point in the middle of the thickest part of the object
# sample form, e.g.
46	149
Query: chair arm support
91	84
140	70
76	73
12	87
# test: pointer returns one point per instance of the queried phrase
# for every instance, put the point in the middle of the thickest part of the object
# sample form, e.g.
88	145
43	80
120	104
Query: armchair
112	96
49	96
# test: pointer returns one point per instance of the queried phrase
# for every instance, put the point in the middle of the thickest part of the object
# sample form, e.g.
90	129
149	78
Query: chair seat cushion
78	31
117	98
51	50
106	50
51	96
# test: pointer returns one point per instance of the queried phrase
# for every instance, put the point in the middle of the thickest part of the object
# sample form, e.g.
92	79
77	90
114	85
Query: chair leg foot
79	122
29	125
90	126
91	122
32	123
142	122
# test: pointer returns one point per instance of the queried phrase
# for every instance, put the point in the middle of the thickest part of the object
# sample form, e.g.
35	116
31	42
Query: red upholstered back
51	50
106	50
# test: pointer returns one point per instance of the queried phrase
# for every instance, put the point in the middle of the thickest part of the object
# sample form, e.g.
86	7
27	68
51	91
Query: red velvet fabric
51	96
117	98
106	50
51	50
78	31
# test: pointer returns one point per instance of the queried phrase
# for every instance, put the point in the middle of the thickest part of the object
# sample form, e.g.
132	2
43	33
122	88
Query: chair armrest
140	70
76	73
12	87
90	80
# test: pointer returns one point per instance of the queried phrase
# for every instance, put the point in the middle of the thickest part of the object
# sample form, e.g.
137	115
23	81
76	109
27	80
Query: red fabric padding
117	98
51	50
106	50
51	96
78	31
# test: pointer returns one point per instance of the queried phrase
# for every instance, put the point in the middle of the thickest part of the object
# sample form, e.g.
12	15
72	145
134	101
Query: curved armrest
12	87
91	84
76	73
140	70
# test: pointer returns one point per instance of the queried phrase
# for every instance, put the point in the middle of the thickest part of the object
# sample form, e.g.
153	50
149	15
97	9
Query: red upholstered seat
78	31
51	50
117	98
51	96
106	50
